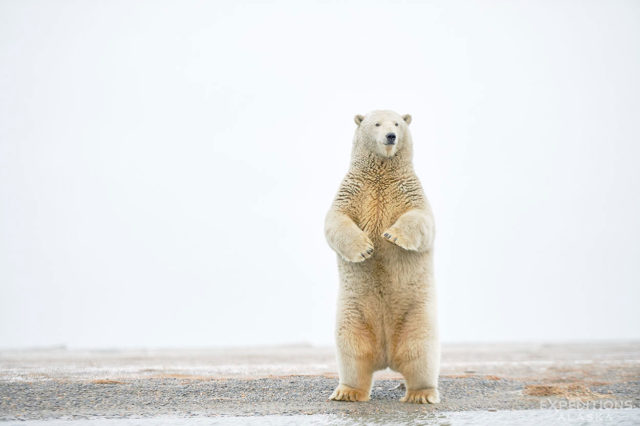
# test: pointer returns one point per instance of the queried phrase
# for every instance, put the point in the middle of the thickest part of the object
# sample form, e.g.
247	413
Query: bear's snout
391	139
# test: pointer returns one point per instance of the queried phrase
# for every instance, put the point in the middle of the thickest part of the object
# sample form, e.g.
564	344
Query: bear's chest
379	206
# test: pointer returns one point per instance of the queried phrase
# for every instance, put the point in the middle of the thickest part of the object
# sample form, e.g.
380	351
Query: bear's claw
366	254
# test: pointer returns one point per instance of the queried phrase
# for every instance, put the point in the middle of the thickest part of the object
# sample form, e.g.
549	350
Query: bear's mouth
390	149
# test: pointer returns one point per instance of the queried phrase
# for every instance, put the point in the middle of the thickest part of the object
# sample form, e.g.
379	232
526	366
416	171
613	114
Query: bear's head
383	132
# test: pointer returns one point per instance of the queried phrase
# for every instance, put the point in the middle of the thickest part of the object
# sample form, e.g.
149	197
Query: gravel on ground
60	383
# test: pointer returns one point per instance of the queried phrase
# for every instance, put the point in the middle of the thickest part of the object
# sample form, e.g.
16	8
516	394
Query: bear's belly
390	280
384	293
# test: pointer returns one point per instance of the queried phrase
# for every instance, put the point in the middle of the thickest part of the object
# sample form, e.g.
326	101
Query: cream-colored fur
382	228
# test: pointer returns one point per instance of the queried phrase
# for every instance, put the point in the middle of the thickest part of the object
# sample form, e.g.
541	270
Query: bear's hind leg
357	354
422	396
418	359
421	376
356	374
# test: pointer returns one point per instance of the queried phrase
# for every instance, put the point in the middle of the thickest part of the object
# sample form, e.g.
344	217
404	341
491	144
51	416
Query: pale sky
165	167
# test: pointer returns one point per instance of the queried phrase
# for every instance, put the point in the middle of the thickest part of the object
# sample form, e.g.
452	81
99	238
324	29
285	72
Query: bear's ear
358	119
407	118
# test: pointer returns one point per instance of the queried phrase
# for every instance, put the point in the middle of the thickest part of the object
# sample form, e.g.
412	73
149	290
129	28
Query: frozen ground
57	383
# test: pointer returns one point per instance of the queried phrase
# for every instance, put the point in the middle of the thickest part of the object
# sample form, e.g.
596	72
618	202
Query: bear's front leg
414	230
344	236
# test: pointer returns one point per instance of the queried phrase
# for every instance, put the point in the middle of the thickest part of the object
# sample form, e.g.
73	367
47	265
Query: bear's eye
396	124
377	124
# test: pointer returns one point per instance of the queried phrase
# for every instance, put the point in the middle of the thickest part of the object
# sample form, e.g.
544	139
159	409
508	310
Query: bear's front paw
401	239
347	393
358	250
422	396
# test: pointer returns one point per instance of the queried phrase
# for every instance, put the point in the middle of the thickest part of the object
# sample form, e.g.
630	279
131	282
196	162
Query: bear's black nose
391	139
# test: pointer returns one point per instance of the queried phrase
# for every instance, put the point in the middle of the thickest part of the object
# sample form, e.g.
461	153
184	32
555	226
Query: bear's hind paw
347	393
422	396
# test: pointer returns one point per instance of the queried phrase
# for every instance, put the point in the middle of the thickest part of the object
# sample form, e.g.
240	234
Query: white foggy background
165	167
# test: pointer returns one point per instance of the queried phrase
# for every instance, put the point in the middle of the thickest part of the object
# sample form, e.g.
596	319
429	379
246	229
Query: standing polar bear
382	228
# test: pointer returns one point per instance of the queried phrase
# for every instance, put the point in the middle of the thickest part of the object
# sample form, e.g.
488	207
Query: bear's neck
365	161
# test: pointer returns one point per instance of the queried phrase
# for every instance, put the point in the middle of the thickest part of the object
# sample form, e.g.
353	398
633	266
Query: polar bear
382	228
